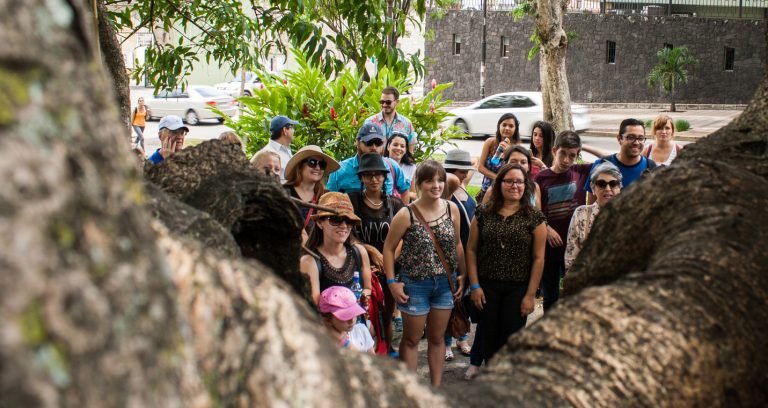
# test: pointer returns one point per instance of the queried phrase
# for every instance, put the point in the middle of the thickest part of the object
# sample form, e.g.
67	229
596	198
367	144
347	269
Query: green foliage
671	70
681	125
359	31
330	112
214	31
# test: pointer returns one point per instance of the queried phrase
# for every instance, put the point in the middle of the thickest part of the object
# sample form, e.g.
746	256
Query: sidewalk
605	121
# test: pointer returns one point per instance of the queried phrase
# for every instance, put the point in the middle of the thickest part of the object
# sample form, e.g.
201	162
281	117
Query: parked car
480	118
192	104
232	88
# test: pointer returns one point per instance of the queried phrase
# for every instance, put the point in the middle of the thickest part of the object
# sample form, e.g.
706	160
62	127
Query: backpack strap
650	165
448	209
410	212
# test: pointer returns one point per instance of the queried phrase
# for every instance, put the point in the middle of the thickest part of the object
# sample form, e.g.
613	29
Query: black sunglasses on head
313	163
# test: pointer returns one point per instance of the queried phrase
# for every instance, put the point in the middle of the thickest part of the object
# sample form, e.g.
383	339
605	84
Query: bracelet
474	286
391	281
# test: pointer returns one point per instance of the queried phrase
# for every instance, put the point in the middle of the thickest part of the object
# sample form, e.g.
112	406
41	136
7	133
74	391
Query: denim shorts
425	294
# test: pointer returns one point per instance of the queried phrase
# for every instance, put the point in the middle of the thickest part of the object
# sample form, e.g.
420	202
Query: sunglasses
336	220
313	163
374	142
602	184
386	102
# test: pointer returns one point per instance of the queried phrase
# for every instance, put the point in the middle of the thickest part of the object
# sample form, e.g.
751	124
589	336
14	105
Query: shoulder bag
458	324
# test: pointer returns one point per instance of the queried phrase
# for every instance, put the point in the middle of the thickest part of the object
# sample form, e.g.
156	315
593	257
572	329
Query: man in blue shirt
370	139
629	159
172	133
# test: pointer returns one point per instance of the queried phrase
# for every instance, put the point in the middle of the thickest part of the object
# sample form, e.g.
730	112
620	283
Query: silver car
192	104
481	117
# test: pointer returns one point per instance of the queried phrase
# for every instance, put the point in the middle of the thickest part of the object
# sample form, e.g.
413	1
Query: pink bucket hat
340	302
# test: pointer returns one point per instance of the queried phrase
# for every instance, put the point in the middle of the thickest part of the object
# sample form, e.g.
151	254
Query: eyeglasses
513	182
374	142
313	163
387	102
374	175
336	221
288	126
602	184
634	138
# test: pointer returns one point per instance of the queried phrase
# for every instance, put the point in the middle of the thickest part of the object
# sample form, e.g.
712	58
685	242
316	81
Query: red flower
305	110
333	113
433	83
354	120
285	81
431	107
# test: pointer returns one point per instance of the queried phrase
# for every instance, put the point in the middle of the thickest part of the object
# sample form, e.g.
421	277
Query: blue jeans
423	295
139	136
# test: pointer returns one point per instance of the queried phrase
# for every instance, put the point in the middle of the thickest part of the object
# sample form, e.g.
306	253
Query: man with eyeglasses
388	120
280	139
370	139
630	160
172	133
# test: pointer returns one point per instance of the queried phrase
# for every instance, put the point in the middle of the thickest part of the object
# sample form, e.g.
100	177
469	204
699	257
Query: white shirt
360	337
285	154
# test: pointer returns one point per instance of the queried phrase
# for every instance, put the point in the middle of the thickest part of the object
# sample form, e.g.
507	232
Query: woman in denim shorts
423	294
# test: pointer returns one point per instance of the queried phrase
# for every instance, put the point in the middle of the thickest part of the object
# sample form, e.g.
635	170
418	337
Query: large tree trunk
665	306
112	55
552	72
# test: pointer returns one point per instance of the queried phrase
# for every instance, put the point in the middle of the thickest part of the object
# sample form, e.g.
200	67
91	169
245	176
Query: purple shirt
560	195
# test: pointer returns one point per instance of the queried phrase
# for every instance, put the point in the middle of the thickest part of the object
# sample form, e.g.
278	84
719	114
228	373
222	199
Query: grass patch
681	125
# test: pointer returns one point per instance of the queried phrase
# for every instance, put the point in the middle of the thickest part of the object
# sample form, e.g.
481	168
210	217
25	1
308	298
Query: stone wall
591	78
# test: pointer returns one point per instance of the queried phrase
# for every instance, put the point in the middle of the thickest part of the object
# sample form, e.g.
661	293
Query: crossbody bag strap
438	247
309	213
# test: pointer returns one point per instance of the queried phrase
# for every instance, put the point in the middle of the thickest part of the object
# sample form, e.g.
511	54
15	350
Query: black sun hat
371	162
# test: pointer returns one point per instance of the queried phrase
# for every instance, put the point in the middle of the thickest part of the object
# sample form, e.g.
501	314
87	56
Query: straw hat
458	159
339	202
307	152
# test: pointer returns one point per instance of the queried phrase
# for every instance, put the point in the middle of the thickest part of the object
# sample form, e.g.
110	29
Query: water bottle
357	289
496	159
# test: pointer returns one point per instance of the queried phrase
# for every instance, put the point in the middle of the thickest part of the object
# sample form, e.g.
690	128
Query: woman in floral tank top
423	294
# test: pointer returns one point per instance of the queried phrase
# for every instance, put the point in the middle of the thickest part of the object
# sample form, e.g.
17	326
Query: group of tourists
387	239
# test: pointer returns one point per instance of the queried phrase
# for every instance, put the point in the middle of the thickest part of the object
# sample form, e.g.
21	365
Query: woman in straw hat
305	175
338	258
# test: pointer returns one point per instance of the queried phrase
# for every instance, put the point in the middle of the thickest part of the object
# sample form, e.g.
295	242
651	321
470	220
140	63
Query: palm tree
671	70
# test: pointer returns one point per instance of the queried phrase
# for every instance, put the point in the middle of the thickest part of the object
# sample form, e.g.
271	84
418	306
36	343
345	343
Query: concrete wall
591	79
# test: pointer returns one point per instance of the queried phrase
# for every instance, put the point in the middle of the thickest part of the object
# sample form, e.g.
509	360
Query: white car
481	117
232	87
192	104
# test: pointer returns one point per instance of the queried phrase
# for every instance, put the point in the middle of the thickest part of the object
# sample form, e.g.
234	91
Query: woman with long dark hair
338	258
376	210
399	150
505	258
542	139
507	134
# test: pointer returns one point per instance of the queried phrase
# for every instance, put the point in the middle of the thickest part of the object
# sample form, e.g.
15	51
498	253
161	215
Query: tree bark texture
99	306
112	55
552	70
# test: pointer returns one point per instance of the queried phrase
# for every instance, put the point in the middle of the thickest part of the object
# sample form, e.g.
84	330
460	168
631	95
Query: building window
668	46
610	54
456	44
504	47
730	58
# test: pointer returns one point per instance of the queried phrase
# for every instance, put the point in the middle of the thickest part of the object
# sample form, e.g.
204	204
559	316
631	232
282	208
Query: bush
681	125
330	111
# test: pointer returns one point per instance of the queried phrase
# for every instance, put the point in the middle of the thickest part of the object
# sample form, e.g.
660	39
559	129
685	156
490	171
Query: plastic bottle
496	159
357	289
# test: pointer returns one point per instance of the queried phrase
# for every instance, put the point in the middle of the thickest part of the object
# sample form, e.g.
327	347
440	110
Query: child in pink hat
339	309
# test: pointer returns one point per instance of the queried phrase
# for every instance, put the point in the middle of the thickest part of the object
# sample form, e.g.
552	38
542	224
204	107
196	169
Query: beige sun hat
340	203
307	152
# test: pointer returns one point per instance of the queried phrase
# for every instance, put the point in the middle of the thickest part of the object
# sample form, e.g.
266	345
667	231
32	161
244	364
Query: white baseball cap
172	122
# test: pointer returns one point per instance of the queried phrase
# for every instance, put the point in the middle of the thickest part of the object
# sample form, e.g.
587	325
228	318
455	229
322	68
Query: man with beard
388	120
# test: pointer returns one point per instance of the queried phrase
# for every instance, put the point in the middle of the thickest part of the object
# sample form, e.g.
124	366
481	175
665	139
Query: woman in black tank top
337	258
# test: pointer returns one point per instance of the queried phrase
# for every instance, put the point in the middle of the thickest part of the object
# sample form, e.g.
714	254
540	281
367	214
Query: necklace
369	201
